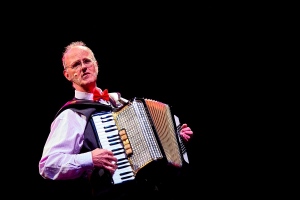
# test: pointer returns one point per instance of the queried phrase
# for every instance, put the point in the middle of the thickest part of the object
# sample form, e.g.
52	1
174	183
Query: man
71	151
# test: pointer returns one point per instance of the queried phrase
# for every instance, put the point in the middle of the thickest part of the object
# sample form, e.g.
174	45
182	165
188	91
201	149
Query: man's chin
87	81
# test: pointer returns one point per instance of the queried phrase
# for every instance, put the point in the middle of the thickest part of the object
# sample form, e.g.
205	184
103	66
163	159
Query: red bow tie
100	95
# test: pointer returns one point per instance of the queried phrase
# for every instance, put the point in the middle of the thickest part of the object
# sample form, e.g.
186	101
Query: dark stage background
182	58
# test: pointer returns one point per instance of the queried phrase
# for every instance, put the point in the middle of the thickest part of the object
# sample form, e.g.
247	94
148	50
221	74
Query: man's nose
83	65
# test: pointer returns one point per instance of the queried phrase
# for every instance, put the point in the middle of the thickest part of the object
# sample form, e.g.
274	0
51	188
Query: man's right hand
103	158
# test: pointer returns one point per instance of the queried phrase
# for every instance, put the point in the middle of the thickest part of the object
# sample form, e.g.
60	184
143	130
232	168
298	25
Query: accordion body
148	129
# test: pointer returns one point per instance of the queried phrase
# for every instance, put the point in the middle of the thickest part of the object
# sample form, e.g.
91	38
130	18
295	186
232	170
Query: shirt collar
88	96
83	95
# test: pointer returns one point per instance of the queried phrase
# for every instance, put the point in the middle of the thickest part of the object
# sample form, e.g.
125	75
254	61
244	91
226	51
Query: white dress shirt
61	159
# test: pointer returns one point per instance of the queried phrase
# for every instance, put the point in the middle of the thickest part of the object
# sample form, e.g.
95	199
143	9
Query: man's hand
103	158
185	132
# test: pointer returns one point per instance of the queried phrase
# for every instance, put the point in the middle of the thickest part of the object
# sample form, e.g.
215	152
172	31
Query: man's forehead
78	52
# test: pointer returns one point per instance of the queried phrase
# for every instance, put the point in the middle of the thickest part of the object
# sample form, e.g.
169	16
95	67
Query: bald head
80	66
76	45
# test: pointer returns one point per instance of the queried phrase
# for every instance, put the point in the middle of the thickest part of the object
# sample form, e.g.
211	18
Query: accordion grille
151	133
135	120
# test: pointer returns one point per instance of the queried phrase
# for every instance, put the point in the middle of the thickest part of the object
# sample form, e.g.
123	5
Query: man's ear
67	75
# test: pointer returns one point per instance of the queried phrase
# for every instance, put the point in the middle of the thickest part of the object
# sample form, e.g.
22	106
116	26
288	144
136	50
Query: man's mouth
86	75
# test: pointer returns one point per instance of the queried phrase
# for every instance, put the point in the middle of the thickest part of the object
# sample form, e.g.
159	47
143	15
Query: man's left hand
186	133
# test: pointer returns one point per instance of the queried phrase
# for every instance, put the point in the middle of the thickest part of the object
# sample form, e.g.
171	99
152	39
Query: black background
190	57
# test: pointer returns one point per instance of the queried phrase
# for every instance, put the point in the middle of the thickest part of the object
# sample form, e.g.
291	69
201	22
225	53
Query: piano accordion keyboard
109	137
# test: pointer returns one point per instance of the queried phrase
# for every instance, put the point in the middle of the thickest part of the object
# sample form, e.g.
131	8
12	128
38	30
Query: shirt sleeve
61	158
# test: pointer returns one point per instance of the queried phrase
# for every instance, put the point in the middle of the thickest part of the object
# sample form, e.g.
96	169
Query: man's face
81	68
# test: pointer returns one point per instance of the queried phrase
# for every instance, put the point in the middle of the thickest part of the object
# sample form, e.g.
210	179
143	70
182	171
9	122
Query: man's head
80	66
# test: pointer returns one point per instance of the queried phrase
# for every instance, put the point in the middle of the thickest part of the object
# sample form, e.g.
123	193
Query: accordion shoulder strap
85	107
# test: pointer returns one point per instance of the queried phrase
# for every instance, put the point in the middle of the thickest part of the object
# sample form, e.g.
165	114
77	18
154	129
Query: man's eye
87	61
75	65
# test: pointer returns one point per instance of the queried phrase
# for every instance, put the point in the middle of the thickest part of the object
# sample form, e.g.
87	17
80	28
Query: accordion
142	135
